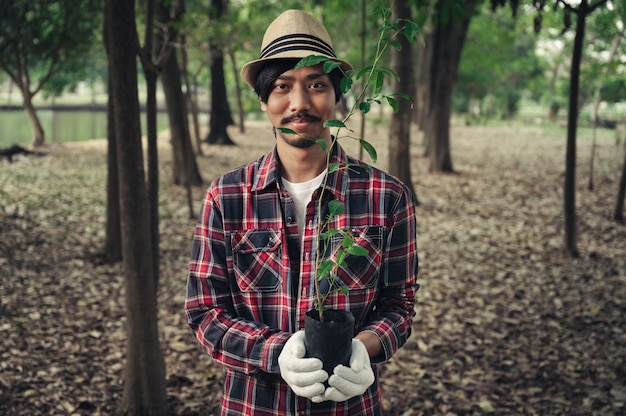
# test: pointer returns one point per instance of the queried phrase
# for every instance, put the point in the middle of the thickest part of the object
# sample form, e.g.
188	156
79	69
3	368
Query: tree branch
596	5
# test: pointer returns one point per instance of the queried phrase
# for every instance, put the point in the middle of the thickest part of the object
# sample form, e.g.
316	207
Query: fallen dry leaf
505	323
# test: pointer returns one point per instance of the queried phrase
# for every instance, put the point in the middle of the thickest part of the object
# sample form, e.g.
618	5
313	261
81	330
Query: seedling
327	266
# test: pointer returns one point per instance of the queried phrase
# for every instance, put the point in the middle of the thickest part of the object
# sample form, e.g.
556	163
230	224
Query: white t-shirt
301	194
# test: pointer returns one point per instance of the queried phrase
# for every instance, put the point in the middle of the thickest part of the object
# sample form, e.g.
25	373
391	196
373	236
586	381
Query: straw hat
293	34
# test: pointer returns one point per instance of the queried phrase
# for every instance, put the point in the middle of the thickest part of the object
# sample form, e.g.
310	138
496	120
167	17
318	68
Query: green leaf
357	251
334	123
329	234
330	65
336	207
410	30
383	11
388	72
386	27
341	257
324	269
363	71
345	84
347	241
310	60
377	82
333	167
365	107
403	96
393	103
284	130
395	44
343	290
322	143
371	151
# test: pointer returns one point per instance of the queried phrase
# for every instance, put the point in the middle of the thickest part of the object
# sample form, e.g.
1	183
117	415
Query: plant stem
322	223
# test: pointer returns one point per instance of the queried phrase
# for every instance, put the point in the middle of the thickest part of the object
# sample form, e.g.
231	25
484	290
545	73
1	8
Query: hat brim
250	70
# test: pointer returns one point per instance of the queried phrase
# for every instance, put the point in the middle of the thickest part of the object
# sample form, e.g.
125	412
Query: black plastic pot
331	340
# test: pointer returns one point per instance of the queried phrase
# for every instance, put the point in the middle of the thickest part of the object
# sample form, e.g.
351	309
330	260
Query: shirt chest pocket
257	259
361	272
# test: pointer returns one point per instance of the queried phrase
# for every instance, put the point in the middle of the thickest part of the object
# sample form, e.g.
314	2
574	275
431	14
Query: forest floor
506	323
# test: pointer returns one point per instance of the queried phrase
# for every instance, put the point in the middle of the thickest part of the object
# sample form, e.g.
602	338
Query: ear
263	106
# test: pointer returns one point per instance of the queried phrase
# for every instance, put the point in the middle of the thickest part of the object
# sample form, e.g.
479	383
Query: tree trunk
113	233
233	63
569	193
179	126
191	96
39	137
400	126
422	83
221	116
445	53
144	384
151	75
185	169
153	165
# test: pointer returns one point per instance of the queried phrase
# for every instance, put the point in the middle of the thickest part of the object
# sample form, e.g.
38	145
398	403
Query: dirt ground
506	323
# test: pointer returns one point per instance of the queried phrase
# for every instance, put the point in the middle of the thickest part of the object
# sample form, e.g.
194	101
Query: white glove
347	382
304	375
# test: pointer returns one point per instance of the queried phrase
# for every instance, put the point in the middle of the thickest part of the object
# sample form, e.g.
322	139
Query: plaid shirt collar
269	173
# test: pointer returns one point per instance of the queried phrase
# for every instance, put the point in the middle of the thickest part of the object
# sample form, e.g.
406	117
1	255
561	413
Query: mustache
302	115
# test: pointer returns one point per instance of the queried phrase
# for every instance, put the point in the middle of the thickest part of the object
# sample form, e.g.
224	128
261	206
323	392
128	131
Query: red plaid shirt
251	280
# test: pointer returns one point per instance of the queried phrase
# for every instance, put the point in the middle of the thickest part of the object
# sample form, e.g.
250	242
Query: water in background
60	126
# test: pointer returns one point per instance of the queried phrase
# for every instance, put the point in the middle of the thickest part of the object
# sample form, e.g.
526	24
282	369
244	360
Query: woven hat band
298	41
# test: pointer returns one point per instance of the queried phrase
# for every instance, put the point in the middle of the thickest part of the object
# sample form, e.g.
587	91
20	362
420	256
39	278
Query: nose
299	99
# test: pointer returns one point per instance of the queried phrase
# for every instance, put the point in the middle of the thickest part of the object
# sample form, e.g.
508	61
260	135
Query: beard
299	141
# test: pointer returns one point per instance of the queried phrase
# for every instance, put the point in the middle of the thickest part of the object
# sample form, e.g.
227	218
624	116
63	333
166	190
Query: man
251	277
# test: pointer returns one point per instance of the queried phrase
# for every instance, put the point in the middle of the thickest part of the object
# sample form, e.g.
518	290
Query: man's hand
304	375
347	382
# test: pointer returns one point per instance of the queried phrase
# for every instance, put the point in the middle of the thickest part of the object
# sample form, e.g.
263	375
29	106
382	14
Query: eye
317	85
281	86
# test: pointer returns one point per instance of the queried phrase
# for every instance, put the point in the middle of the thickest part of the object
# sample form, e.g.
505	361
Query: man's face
301	100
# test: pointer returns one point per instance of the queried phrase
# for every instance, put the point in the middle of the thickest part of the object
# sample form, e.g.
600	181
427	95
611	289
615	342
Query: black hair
272	70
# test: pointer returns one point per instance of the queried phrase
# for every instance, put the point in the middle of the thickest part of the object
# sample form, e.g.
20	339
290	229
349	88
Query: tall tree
191	93
37	38
144	384
113	232
449	27
185	169
582	11
400	125
221	116
150	62
421	85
